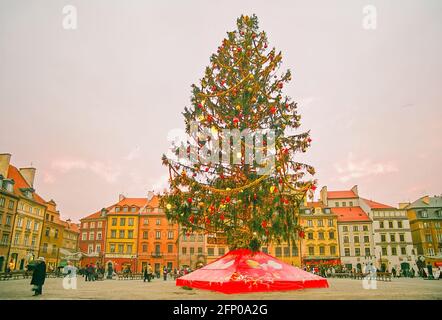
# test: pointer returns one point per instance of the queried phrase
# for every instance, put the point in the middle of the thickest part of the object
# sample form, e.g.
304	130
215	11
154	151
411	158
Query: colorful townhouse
92	237
425	215
192	250
69	249
158	237
320	245
52	236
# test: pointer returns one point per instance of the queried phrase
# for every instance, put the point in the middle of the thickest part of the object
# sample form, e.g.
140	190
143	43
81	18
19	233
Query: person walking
165	273
38	276
145	275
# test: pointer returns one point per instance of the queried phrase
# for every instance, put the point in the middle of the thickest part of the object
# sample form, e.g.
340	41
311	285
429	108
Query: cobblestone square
340	289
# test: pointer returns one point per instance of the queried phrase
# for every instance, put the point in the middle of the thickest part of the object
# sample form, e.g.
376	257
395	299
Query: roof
426	202
377	205
315	204
72	226
350	214
20	183
341	194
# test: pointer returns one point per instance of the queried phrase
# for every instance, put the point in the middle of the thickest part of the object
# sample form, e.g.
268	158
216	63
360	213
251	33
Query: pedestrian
70	276
165	273
38	276
394	272
145	275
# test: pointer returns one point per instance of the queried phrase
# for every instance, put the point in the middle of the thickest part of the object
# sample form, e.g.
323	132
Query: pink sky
91	108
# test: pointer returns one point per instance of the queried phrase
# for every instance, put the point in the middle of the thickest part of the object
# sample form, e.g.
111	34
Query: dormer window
133	209
423	214
117	209
125	209
8	185
307	211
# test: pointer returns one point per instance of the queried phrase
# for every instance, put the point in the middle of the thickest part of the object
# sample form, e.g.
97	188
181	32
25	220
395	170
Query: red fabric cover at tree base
240	271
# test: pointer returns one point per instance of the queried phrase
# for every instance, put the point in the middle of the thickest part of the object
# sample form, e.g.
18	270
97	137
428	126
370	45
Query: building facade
425	216
192	250
70	245
392	238
92	237
158	238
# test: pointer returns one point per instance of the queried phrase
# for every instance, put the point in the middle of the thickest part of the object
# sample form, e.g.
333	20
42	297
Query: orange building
158	238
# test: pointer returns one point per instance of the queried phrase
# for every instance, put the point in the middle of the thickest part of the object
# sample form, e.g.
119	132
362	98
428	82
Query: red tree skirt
240	271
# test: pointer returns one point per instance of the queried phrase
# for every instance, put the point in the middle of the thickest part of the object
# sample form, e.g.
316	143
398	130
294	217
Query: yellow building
320	245
28	222
122	233
290	254
69	249
52	236
8	209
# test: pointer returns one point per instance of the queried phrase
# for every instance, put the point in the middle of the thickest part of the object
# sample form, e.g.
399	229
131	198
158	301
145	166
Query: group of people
92	272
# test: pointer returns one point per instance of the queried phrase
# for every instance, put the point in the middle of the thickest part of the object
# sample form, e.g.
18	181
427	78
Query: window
392	237
365	228
125	209
384	251
47	232
356	239
183	250
321	235
393	251
350	203
8	220
56	233
423	214
310	235
130	221
5	239
170	235
28	224
399	224
20	222
390	224
366	239
36	226
26	242
346	240
92	225
158	222
144	247
99	235
98	248
145	221
91	235
320	223
122	222
428	238
45	248
357	252
145	234
330	223
311	251
309	223
331	235
157	235
170	248
130	234
265	250
113	234
114	222
367	252
200	238
336	204
85	224
99	224
133	209
356	228
327	211
402	238
84	236
2	202
345	228
332	250
321	250
278	251
210	251
120	248
221	251
344	204
200	250
347	252
112	248
295	251
129	248
381	224
122	234
286	252
403	251
383	239
117	209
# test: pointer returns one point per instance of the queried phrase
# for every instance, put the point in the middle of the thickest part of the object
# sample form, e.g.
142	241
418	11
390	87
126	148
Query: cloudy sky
91	108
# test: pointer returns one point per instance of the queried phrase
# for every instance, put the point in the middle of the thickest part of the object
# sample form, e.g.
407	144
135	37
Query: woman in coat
39	276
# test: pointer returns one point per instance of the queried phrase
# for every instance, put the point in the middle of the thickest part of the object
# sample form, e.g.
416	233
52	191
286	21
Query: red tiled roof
349	214
341	194
20	182
377	205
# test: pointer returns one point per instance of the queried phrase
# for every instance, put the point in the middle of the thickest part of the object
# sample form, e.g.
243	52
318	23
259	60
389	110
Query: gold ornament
168	206
238	107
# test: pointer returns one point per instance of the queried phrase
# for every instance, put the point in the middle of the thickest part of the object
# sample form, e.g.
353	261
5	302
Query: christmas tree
217	184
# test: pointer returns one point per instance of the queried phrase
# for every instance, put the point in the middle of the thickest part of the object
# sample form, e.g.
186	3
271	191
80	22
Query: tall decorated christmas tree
238	174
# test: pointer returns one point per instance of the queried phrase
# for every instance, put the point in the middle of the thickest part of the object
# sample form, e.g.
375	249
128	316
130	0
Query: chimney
121	197
323	196
5	159
29	175
150	195
355	190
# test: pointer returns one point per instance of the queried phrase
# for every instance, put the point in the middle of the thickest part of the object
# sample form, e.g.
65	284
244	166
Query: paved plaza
340	289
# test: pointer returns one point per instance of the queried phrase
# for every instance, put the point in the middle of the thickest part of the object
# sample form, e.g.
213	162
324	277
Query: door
170	265
2	261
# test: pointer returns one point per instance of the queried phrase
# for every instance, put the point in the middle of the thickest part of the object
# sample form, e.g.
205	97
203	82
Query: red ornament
313	187
189	200
309	140
191	219
255	196
221	217
301	234
200	105
235	120
264	224
209	118
207	220
207	169
272	109
280	85
227	199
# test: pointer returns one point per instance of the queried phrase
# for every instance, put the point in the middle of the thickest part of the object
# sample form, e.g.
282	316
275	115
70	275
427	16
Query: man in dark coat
39	276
